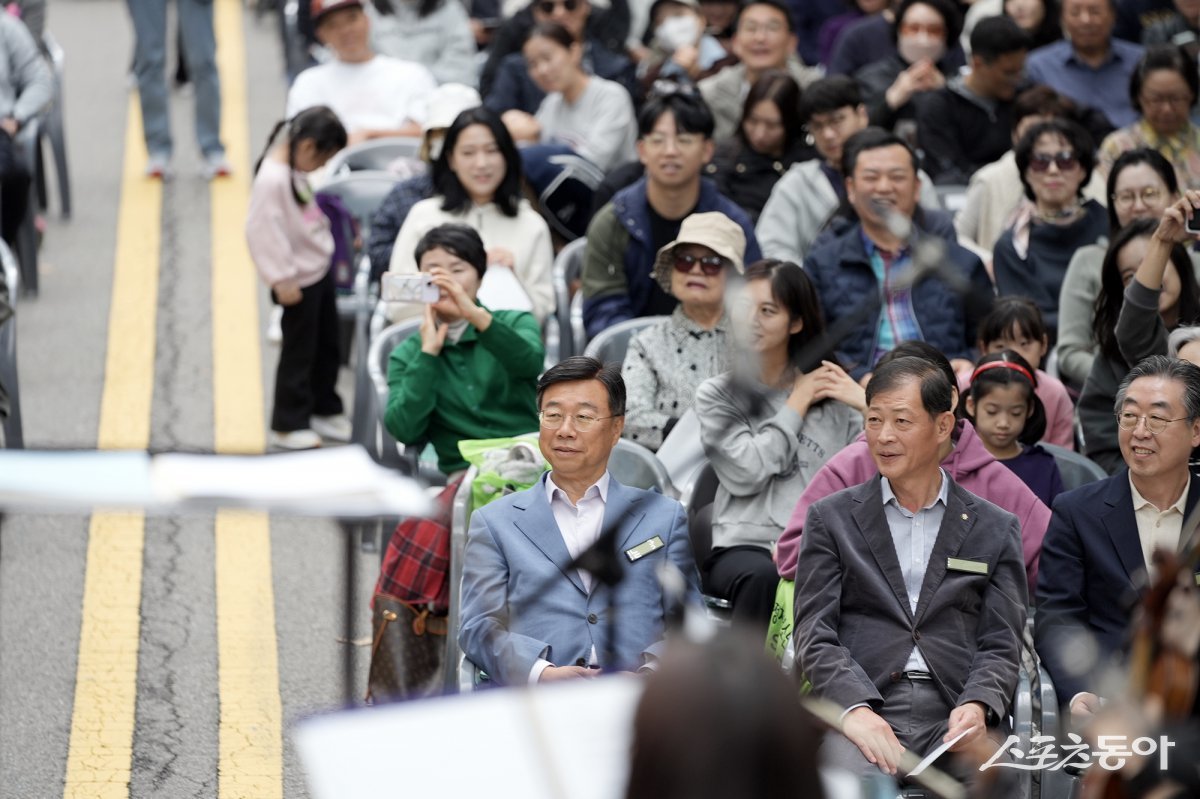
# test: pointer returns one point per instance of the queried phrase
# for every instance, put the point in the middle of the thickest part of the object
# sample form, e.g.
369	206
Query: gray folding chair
460	519
374	154
634	465
1076	468
611	344
559	336
53	131
952	198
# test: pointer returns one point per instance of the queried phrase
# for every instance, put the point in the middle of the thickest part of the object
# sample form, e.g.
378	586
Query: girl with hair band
290	240
1003	404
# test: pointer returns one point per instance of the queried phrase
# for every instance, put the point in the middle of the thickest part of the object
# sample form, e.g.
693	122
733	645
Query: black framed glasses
1065	161
709	264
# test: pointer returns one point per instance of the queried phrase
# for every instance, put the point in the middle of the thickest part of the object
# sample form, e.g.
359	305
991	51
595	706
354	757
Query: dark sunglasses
709	264
1064	161
547	6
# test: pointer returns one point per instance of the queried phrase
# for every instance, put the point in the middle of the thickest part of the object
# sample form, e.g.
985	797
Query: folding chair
634	465
13	432
374	154
460	518
611	344
53	132
1076	468
560	340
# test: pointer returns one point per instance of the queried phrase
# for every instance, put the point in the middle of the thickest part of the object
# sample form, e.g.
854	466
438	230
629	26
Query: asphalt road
62	338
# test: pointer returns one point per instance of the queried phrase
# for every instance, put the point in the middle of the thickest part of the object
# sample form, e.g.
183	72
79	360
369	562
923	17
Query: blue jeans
150	65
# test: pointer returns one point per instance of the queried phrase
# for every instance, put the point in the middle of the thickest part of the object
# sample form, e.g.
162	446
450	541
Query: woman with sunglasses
767	426
1055	160
1141	185
1163	88
667	361
1147	289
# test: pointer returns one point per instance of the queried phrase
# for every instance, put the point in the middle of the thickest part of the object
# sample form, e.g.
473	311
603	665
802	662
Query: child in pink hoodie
292	246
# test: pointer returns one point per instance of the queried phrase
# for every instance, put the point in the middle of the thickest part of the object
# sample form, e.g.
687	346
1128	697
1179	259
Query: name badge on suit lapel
643	549
969	566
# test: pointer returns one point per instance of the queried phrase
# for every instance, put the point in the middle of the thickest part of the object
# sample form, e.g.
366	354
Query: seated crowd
905	296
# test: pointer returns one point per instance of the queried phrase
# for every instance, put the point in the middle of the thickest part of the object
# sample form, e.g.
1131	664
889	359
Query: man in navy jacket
884	279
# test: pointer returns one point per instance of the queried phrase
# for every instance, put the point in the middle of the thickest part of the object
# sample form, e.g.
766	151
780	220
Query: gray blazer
522	601
854	626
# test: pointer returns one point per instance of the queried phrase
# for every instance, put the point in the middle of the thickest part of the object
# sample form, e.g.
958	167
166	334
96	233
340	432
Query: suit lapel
624	510
872	524
1121	525
536	522
957	522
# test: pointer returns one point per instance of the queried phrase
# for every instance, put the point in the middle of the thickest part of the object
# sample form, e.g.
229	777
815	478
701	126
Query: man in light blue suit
528	616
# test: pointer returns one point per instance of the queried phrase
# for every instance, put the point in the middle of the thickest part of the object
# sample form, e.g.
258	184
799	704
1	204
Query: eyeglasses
1155	424
709	264
552	420
547	6
1149	195
1173	100
1065	161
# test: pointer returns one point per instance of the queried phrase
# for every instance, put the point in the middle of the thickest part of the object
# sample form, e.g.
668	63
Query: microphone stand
602	561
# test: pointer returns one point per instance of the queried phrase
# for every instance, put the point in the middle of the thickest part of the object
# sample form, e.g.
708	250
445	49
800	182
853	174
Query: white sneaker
295	439
275	325
216	166
158	166
332	428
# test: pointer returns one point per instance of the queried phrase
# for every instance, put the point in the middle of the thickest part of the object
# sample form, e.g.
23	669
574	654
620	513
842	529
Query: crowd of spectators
825	207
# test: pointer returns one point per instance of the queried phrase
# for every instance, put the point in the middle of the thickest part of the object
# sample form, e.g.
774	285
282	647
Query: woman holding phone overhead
472	372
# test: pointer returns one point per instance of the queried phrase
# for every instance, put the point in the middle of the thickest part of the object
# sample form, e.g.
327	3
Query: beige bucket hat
713	230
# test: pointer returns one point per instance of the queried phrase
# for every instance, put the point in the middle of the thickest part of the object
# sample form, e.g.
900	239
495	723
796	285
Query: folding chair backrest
1076	468
381	350
374	154
568	266
362	193
611	344
634	465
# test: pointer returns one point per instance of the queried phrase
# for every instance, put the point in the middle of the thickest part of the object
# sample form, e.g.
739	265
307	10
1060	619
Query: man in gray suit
910	591
529	615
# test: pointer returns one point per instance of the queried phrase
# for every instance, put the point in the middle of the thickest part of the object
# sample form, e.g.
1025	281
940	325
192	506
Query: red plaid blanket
417	560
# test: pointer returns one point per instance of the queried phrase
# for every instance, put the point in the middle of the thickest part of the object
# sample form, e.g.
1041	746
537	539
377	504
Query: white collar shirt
1158	528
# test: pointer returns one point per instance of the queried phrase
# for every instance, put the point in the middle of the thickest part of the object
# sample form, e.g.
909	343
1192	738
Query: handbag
410	606
407	651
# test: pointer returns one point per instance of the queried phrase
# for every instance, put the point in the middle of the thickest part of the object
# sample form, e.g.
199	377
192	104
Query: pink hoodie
969	464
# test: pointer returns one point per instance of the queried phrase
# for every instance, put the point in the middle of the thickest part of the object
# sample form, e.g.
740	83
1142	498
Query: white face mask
676	32
914	48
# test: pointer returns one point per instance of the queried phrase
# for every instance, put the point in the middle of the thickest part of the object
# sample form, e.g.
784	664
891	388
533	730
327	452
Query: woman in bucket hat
668	361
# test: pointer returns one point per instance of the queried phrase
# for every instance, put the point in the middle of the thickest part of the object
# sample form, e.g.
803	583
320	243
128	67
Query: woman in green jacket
471	373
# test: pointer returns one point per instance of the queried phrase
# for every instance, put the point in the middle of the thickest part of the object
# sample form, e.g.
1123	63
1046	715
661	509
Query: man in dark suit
1102	535
910	590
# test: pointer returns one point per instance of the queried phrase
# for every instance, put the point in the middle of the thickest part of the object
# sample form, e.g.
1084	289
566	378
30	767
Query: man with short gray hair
1102	536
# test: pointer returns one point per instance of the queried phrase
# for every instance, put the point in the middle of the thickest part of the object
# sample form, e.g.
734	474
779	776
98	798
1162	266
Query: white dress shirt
580	525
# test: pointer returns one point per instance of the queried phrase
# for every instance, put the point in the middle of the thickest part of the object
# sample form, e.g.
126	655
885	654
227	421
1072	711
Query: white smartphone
410	288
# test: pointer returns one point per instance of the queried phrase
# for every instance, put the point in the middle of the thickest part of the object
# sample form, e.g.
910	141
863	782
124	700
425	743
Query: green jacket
485	386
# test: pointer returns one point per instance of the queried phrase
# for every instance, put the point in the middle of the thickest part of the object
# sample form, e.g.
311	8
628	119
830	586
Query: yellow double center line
99	761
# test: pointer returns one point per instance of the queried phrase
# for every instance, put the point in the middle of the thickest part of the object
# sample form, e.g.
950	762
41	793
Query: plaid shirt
897	320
